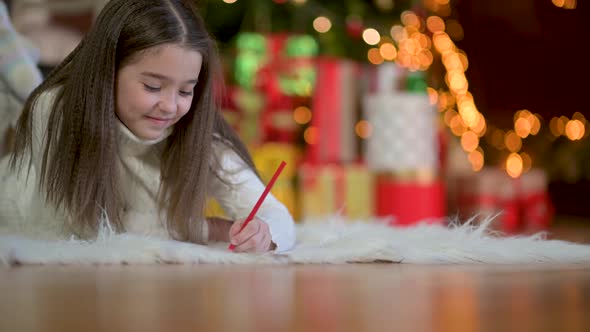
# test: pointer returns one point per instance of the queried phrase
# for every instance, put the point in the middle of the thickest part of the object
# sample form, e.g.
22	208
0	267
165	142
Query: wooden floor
372	297
361	297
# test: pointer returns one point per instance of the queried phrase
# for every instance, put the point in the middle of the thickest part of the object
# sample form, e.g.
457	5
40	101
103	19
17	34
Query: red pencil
261	199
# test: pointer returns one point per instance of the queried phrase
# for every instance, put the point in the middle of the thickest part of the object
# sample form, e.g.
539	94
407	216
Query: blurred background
410	110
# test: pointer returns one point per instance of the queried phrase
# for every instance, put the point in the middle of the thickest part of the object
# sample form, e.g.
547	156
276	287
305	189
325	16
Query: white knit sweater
23	206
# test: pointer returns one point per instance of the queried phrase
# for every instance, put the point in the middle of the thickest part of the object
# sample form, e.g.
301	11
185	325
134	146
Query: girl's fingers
249	231
235	228
257	243
254	238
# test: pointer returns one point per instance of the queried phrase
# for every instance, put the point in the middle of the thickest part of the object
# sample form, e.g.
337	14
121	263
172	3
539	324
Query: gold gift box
328	190
267	158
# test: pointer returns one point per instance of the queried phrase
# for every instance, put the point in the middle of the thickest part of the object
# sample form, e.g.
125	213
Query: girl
127	130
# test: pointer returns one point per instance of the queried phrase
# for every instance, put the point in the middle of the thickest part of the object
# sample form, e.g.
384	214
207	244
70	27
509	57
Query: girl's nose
168	103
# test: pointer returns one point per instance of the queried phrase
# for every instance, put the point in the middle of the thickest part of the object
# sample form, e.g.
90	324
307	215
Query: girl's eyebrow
166	78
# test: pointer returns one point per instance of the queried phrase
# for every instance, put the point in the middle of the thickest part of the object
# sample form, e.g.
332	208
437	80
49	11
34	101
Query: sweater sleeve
237	190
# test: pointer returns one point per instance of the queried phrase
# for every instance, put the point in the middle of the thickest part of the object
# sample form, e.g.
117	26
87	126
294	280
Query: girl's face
155	90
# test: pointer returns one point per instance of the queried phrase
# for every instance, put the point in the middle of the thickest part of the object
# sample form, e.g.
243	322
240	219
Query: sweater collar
130	144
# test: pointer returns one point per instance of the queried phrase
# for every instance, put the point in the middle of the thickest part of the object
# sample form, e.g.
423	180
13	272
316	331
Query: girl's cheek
143	97
186	107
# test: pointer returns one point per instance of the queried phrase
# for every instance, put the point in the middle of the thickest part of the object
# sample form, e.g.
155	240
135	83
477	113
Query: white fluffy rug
333	242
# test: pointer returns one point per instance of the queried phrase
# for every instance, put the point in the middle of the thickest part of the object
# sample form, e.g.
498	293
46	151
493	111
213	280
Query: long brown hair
77	169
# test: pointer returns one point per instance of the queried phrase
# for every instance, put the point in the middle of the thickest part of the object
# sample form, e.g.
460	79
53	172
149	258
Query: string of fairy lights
414	44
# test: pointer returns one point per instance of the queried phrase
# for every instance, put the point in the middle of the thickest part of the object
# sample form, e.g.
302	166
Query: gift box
488	193
279	69
250	105
214	209
327	190
267	158
335	111
229	108
536	207
278	124
521	205
405	134
411	198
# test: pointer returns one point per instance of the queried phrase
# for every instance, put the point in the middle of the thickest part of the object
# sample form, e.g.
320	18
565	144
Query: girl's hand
255	237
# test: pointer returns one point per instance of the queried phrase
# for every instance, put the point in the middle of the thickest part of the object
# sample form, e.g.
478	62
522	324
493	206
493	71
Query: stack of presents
360	141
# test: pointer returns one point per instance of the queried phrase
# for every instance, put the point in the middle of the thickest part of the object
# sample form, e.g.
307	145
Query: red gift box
410	201
272	80
536	208
277	122
490	193
520	205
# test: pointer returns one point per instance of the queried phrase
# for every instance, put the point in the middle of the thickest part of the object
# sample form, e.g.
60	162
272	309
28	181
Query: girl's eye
186	93
151	88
